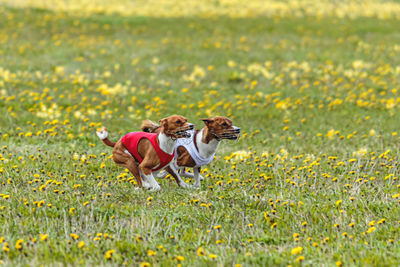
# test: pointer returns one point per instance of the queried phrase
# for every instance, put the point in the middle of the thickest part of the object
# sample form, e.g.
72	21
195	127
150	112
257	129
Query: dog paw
155	188
184	185
146	185
195	186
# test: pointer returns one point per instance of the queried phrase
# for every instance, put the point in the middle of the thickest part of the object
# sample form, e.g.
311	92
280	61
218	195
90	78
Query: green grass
286	82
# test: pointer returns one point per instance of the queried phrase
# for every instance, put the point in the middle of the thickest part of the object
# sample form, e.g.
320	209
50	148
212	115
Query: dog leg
127	161
171	169
184	173
131	165
148	176
160	174
154	186
200	176
146	184
196	174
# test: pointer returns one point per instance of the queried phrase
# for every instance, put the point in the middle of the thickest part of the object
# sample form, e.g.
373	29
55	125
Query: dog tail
149	126
103	135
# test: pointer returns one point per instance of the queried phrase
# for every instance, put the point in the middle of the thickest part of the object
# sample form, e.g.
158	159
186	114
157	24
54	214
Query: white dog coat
188	143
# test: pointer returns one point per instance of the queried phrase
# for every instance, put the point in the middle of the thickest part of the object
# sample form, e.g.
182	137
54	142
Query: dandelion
19	244
74	236
201	252
43	237
81	244
71	211
296	250
151	253
212	256
139	238
109	253
381	221
6	248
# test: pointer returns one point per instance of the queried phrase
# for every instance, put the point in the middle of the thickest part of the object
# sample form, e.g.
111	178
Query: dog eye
178	122
224	124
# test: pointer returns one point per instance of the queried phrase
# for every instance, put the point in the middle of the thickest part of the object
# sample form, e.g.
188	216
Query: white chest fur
206	150
166	143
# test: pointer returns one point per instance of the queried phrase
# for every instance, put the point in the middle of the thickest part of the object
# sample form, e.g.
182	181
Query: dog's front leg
145	183
196	174
160	174
186	174
172	170
148	176
191	175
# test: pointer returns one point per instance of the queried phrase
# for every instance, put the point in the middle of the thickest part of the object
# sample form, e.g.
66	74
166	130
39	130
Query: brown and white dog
200	150
171	129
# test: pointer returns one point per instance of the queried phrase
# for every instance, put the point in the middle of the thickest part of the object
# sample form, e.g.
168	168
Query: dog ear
164	123
207	121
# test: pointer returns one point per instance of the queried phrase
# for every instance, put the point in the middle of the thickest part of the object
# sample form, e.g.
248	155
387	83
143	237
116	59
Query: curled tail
149	126
103	134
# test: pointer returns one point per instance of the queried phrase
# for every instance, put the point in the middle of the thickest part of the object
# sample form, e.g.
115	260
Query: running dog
201	147
144	153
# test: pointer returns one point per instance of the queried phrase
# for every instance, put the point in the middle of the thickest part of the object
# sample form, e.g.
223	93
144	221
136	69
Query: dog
201	148
143	153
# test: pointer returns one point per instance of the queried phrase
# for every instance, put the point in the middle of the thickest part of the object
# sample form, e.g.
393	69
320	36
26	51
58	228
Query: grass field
313	179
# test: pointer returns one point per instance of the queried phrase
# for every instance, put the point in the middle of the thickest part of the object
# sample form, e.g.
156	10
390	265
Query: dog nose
236	129
190	126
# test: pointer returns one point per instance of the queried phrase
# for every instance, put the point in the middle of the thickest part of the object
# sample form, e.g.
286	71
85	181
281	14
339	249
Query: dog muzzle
232	134
184	132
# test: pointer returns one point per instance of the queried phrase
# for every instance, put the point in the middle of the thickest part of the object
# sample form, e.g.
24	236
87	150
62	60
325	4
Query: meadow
313	179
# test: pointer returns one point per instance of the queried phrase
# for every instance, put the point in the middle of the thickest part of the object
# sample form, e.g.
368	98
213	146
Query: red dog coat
131	140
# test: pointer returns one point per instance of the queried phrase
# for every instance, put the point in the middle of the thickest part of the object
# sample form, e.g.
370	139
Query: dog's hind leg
132	166
123	159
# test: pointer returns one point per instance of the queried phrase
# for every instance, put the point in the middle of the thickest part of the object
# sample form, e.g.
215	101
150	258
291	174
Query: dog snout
236	130
190	126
